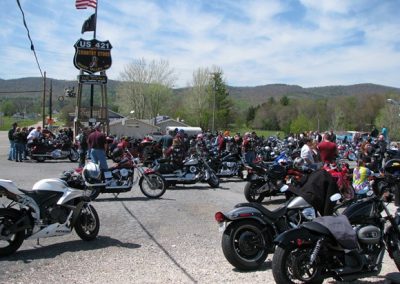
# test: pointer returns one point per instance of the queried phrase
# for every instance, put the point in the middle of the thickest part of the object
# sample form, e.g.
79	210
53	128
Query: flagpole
95	19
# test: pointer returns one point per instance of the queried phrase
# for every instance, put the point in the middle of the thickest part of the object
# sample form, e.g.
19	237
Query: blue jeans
11	153
98	156
19	151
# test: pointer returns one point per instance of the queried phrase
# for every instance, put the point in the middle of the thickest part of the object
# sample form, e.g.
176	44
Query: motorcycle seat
317	227
275	214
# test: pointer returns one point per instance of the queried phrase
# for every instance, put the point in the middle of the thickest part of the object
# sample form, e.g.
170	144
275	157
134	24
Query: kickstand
37	242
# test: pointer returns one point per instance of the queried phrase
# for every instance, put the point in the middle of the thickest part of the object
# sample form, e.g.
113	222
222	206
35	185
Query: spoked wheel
292	265
252	192
87	225
244	245
9	242
152	186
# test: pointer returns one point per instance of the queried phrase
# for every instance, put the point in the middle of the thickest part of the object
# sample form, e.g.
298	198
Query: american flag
83	4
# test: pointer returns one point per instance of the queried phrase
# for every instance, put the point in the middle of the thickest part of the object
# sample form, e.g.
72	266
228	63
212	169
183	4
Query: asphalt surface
169	240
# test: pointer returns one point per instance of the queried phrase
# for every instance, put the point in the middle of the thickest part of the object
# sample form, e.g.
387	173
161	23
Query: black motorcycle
325	248
191	170
53	149
228	164
250	228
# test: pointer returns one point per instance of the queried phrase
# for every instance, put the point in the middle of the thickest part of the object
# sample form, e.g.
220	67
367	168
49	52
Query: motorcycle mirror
284	188
335	197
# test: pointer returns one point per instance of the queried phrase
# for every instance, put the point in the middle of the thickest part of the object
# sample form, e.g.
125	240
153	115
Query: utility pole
50	104
44	100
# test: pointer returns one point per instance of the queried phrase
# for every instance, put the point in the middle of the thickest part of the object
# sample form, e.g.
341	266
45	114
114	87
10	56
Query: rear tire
87	225
9	243
245	245
155	189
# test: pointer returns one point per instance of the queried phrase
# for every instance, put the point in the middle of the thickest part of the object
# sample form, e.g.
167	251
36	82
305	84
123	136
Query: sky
255	42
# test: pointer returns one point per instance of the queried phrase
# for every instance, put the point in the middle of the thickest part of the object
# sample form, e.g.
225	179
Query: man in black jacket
11	154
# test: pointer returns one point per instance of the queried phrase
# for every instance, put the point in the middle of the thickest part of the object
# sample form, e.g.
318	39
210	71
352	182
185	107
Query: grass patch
6	122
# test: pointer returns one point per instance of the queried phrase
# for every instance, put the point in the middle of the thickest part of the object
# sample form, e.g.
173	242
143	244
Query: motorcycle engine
56	154
369	235
56	214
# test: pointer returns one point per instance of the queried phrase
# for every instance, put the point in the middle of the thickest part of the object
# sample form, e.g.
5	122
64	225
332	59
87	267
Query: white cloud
254	42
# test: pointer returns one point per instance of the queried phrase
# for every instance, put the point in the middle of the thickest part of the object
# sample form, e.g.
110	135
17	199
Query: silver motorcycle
49	209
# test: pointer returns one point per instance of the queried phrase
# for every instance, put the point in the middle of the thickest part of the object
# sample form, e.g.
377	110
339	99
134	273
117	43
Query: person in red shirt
327	149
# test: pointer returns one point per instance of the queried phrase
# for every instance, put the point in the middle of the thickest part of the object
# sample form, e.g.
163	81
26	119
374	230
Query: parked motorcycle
250	228
50	208
316	250
193	169
227	164
264	179
117	179
57	149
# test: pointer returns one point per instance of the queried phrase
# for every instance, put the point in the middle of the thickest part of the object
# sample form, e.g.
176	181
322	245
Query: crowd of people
21	138
316	149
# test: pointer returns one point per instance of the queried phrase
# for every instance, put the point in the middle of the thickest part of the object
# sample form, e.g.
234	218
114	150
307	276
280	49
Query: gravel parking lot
173	239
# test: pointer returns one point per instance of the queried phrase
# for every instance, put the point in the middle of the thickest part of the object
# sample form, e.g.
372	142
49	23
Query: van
190	131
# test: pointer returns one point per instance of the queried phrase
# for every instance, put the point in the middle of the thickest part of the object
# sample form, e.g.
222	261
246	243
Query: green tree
284	101
8	108
220	102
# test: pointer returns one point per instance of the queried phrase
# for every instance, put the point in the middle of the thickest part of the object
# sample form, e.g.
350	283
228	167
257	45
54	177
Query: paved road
174	239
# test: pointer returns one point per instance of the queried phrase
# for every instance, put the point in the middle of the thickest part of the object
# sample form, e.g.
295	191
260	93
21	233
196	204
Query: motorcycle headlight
193	169
309	213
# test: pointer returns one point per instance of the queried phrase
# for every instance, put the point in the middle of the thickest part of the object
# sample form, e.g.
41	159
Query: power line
29	36
19	92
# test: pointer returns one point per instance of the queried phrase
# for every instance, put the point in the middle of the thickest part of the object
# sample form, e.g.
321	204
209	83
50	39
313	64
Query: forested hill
249	95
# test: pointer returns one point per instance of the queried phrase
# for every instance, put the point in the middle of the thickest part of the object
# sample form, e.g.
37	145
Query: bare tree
144	87
197	98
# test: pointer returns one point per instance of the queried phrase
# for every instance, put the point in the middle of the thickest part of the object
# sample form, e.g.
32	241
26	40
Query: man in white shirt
34	134
307	153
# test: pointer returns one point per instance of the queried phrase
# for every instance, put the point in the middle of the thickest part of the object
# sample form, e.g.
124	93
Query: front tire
9	242
251	192
245	245
73	155
87	225
213	181
153	188
287	268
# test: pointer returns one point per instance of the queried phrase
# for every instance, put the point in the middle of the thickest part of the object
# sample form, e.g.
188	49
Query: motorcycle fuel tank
298	202
191	162
50	184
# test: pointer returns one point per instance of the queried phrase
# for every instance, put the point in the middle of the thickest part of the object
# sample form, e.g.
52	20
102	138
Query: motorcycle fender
246	213
76	212
390	236
286	238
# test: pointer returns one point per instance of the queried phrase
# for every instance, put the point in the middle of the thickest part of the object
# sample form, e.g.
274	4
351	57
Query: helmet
298	162
91	173
117	154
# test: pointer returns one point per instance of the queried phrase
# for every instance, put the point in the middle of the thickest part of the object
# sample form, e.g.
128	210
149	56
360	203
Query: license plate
222	226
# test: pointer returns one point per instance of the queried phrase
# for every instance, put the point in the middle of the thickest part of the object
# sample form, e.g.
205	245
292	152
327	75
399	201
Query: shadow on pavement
51	251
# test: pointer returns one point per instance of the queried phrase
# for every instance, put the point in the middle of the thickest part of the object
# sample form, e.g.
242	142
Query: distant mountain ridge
248	95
